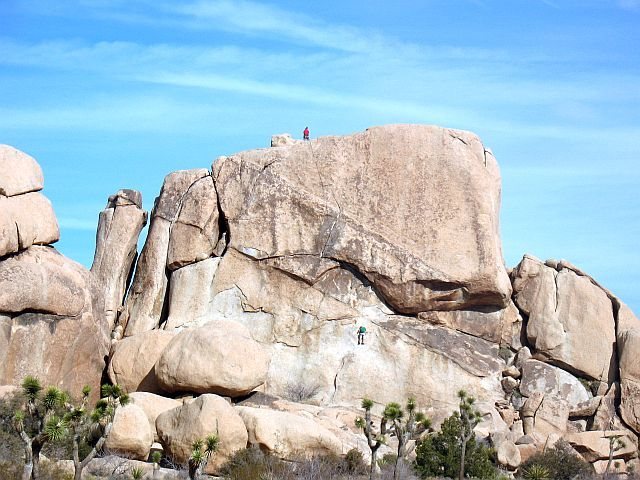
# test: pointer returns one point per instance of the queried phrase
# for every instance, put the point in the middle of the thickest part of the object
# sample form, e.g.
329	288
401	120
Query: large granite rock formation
119	226
430	243
52	319
255	276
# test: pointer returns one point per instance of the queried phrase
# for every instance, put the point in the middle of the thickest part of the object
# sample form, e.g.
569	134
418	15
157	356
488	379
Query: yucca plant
201	452
405	427
536	472
374	439
40	422
469	418
137	473
101	417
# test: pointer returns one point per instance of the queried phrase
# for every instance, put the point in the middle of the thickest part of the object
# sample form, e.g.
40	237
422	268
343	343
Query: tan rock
190	293
195	232
119	226
26	220
629	347
65	348
40	279
220	356
20	172
595	445
508	454
606	415
153	405
282	139
541	377
133	360
509	384
586	409
206	415
145	301
313	340
527	451
130	434
499	326
448	256
564	310
287	435
617	467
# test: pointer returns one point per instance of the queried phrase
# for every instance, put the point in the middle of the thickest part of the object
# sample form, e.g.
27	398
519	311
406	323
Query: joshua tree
101	420
395	423
52	417
615	444
405	429
202	450
469	419
374	440
39	422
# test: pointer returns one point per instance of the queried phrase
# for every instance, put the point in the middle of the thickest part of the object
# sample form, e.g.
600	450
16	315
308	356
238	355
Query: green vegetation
560	462
45	418
453	452
201	452
404	425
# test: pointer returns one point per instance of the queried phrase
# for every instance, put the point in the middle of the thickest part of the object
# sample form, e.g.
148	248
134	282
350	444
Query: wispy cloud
71	223
633	5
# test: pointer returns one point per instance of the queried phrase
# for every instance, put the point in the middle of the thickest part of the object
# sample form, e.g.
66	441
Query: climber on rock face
305	134
361	331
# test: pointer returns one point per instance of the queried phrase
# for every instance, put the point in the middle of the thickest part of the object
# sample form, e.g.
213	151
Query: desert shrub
560	461
439	454
253	464
10	470
300	391
11	447
354	462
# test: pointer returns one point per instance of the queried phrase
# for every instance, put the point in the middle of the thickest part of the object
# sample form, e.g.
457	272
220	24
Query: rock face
40	279
133	360
52	323
144	305
355	200
286	434
219	357
564	309
255	277
130	433
20	173
208	414
153	405
25	220
119	226
629	345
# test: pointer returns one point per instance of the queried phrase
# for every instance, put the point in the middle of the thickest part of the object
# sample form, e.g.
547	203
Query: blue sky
108	94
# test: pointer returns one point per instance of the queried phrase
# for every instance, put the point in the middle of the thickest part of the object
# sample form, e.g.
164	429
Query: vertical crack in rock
557	292
224	232
335	378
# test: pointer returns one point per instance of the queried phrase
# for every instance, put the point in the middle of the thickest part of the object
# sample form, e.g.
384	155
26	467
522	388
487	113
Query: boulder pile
255	275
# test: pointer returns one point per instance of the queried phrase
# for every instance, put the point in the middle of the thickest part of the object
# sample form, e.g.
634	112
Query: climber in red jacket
305	134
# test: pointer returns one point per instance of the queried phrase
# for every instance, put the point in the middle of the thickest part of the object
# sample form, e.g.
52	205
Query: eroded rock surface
207	415
219	357
564	310
431	243
119	226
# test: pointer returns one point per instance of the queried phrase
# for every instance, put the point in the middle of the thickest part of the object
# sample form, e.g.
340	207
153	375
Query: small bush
354	462
301	392
560	461
439	454
253	464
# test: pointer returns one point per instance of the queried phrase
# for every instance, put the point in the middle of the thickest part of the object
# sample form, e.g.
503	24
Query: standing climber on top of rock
305	134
